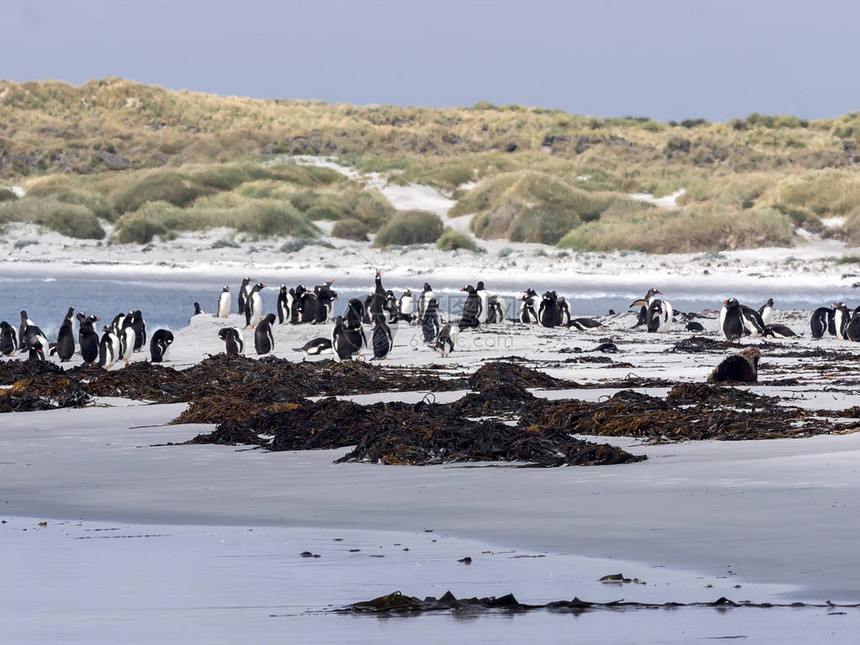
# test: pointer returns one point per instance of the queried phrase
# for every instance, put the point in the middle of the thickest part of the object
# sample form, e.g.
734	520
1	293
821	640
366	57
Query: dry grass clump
452	240
410	227
824	192
694	229
350	229
71	220
158	186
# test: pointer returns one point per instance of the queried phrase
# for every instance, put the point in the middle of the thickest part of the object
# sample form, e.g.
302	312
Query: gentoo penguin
444	343
88	339
284	305
471	308
753	324
325	302
244	292
254	306
36	351
381	339
840	319
33	335
355	334
563	312
583	324
233	339
66	340
852	329
224	302
430	321
316	346
8	339
138	324
308	303
264	340
126	340
732	320
107	348
766	311
485	302
406	306
377	302
527	313
775	330
160	345
655	313
694	326
424	299
345	342
818	322
70	316
198	310
391	306
22	328
496	312
116	325
548	313
293	301
354	312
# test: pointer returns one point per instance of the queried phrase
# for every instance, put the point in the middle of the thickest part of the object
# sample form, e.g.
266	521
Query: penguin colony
382	310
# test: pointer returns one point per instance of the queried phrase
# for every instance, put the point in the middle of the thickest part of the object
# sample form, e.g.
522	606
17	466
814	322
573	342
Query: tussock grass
71	220
350	229
410	227
158	186
452	240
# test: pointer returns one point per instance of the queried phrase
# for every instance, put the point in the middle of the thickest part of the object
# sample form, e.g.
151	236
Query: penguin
264	339
377	302
325	302
444	343
66	340
198	310
116	325
308	303
22	328
344	343
424	299
775	330
354	333
8	339
36	351
548	313
471	309
284	305
138	324
254	306
766	311
563	312
244	292
391	306
107	348
126	339
406	307
485	304
732	323
527	313
584	324
655	313
70	316
382	340
233	339
159	345
852	329
316	346
840	319
224	302
818	323
354	312
32	335
496	312
694	326
88	340
293	303
430	321
753	324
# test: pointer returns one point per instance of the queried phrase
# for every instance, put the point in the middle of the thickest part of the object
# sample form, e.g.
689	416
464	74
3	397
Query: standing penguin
656	314
471	308
424	299
485	302
22	328
852	329
254	306
224	302
563	312
325	302
284	305
233	339
244	292
444	343
406	307
36	352
126	339
548	312
496	313
381	339
33	335
264	340
818	322
377	302
840	319
527	313
354	312
354	333
8	339
88	339
430	321
107	348
66	340
766	312
344	341
70	316
731	321
160	345
138	324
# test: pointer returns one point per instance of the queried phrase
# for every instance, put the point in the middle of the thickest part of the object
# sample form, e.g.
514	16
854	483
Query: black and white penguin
381	339
33	335
377	301
584	324
254	306
284	305
732	320
264	339
233	339
485	302
107	348
293	301
444	343
224	302
766	312
126	339
563	312
88	340
244	292
325	302
406	307
471	309
198	310
818	322
753	324
345	341
354	312
138	324
316	346
22	329
308	303
430	321
70	316
655	313
776	330
355	334
8	339
840	319
66	340
36	352
496	312
548	312
527	313
694	326
852	329
116	325
160	345
391	306
424	299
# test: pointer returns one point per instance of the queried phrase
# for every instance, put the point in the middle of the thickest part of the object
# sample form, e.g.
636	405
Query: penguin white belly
128	343
224	304
256	308
666	317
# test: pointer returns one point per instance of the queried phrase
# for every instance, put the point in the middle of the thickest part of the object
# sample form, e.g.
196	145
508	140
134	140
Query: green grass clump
267	218
689	231
164	186
7	195
451	240
71	220
95	202
824	192
410	227
350	229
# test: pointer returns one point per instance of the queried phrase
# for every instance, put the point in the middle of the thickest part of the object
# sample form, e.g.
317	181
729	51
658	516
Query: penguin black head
226	289
480	286
427	287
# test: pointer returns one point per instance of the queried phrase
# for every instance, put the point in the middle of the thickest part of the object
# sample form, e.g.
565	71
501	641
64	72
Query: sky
665	59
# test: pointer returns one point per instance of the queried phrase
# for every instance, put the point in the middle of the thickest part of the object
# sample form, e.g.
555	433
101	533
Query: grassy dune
152	162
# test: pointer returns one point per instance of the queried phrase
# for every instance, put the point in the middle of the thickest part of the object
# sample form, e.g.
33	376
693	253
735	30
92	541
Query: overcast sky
667	59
